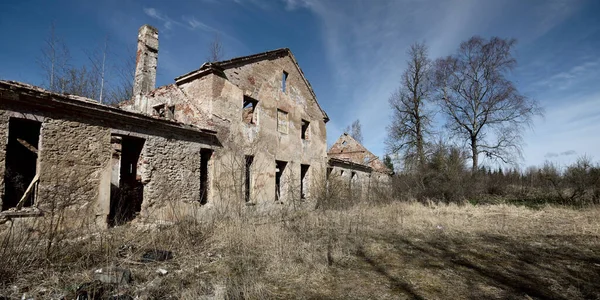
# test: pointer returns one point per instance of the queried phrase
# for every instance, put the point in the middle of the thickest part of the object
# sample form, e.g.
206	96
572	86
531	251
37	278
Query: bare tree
54	61
411	120
355	131
93	79
215	49
482	106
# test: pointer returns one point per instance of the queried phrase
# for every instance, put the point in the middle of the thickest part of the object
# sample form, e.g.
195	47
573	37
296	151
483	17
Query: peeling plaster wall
261	81
216	102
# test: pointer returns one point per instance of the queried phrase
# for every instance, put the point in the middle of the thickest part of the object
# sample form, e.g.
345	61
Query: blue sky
352	52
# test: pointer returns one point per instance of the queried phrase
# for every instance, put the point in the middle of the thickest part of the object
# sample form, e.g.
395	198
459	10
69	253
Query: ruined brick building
243	131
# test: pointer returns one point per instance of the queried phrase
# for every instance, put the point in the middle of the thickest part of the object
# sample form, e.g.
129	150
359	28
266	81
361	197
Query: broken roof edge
85	103
219	66
362	149
352	165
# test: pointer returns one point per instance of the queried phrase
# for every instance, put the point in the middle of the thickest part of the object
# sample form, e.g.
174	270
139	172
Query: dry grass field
393	251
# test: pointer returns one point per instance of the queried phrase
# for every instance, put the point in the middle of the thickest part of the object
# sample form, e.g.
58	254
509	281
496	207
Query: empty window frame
282	121
284	77
205	156
21	163
304	181
279	180
305	133
249	115
164	111
248	178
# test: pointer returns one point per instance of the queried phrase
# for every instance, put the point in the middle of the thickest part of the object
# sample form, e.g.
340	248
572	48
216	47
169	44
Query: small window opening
20	180
303	181
159	110
127	189
279	182
164	111
248	115
248	178
282	121
344	143
284	81
341	172
171	112
304	134
205	156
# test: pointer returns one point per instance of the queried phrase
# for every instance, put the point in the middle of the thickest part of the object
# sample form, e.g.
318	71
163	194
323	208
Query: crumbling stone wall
215	101
171	174
3	141
76	161
71	159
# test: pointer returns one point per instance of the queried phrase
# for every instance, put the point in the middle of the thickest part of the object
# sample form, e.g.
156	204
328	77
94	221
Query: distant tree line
485	116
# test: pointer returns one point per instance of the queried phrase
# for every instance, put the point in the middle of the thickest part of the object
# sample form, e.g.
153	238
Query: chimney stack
146	60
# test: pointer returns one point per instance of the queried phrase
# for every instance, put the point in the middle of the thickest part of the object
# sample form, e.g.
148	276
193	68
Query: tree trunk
420	151
475	154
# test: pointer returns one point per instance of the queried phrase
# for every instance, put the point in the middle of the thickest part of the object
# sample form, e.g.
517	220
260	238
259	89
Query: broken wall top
220	67
346	148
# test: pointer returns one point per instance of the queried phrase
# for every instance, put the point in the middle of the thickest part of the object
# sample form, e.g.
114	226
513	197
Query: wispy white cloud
155	14
188	22
193	24
366	45
565	79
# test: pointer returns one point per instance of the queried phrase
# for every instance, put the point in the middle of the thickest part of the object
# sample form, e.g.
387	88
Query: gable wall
261	81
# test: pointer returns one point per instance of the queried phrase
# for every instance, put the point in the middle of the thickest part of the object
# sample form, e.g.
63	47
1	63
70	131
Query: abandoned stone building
248	130
354	165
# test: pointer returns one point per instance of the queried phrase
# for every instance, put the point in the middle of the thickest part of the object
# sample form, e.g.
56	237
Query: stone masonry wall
75	164
72	157
3	142
172	174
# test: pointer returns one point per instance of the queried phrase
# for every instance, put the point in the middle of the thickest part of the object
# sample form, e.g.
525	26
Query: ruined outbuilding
248	130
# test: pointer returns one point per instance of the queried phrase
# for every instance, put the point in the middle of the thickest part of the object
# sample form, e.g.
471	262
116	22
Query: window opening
284	81
205	156
303	181
248	178
248	115
304	134
279	170
282	121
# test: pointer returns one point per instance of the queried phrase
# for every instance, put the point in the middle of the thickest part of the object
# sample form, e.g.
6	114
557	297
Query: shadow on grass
397	285
547	267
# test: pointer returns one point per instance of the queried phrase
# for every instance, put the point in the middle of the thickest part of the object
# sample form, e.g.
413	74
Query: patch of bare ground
393	251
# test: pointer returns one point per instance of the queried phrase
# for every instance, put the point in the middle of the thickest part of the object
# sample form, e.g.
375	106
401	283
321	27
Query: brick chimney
145	66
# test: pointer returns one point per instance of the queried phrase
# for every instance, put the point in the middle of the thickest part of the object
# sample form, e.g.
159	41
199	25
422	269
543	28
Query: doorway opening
127	190
21	163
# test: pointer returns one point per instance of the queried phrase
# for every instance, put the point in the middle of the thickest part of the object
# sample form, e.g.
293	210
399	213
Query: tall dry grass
395	250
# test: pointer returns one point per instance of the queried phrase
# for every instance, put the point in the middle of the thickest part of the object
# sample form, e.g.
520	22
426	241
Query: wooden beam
28	191
28	146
